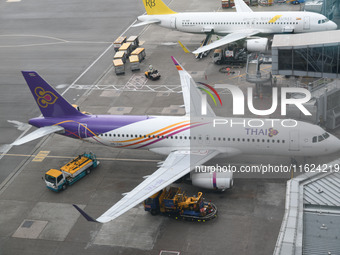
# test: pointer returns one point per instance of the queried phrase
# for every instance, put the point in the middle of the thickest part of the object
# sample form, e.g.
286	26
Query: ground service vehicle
230	56
73	171
152	75
174	203
295	1
119	42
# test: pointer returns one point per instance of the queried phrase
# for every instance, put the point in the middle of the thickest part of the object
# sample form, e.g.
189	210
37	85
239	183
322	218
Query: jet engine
257	45
208	179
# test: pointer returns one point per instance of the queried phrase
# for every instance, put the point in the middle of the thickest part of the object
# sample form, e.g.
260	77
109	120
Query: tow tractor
70	173
152	75
174	203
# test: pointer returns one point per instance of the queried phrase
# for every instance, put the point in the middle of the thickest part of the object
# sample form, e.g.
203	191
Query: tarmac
70	45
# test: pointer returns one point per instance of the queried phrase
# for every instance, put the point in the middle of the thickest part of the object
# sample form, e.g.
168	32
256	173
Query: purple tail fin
50	102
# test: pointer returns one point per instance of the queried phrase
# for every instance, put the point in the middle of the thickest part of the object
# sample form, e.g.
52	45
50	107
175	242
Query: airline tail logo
209	93
150	3
44	98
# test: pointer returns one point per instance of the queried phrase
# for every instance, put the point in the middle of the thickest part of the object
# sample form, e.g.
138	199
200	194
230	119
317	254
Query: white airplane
188	141
234	26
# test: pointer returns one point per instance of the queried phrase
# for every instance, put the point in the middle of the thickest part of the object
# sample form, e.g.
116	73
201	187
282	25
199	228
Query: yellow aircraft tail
157	7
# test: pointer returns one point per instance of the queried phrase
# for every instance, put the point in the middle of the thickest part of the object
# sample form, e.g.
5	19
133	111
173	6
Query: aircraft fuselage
232	136
223	23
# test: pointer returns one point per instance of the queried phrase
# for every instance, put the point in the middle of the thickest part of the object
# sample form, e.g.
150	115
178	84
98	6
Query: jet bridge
310	54
324	105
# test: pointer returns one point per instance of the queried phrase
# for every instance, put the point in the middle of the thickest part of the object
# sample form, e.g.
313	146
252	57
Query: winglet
178	66
85	215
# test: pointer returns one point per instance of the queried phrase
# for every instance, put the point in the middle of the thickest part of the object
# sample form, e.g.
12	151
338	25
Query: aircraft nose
333	26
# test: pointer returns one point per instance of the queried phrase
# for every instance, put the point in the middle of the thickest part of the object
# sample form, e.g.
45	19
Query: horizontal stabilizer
85	215
38	133
185	49
144	23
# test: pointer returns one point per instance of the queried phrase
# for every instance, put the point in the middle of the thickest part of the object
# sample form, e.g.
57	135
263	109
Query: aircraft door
294	144
306	23
173	22
82	130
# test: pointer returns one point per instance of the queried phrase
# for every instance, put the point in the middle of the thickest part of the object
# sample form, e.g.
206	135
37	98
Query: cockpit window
320	138
321	21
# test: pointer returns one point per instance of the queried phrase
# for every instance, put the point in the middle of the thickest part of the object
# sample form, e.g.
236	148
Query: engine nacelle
217	180
257	45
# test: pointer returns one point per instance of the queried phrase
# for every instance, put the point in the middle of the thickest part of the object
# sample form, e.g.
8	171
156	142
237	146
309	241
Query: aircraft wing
241	6
40	132
176	165
233	37
148	22
191	94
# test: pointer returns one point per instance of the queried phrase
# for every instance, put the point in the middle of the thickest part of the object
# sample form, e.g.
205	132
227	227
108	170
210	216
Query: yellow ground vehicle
134	62
140	52
173	202
134	41
119	42
119	66
127	48
73	171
